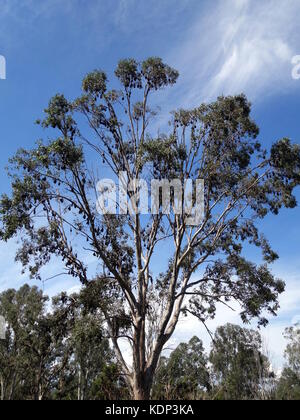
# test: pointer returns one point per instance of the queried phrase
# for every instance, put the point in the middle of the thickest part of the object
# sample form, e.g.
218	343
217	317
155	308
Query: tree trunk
81	384
2	389
13	385
143	370
41	393
79	393
141	387
142	380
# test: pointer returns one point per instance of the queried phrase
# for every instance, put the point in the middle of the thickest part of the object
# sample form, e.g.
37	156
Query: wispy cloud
133	15
238	46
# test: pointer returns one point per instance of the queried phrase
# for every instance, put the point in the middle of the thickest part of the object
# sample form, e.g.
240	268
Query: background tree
89	370
238	365
26	353
109	384
55	184
184	374
289	383
58	354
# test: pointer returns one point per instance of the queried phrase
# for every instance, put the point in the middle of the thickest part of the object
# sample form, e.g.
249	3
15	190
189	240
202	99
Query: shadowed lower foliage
64	354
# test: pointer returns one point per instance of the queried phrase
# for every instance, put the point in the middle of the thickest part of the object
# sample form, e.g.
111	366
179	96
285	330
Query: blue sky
225	46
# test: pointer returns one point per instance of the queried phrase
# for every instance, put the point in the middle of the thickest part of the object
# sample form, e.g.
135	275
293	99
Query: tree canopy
52	207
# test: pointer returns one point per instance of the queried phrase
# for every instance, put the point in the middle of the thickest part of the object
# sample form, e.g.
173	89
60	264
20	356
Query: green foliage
60	354
158	74
129	74
109	385
95	83
292	352
155	73
289	383
238	365
184	374
27	354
